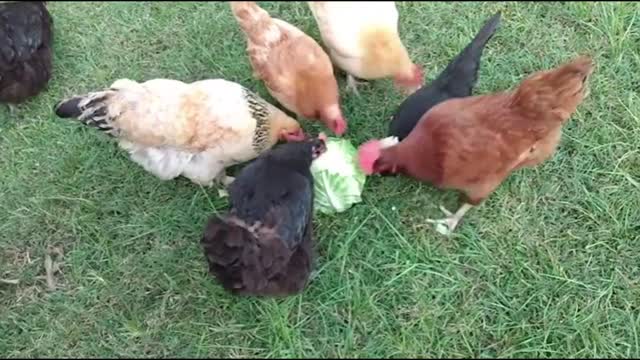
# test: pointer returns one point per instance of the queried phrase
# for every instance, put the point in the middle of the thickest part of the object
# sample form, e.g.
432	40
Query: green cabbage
338	180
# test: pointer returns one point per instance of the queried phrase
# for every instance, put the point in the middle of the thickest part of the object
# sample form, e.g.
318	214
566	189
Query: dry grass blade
48	266
52	267
10	282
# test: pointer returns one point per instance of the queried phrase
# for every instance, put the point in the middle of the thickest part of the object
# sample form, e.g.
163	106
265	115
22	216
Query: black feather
68	108
26	38
263	246
90	109
456	80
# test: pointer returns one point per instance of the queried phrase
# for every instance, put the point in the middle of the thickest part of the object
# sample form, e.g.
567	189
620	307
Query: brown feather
293	66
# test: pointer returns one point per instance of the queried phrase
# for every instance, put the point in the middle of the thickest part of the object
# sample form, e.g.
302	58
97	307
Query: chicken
472	144
26	37
172	128
263	246
456	80
293	66
363	40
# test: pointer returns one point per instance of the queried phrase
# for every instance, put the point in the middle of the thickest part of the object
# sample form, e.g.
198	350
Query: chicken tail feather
91	110
463	70
223	243
68	108
559	90
255	22
486	33
241	259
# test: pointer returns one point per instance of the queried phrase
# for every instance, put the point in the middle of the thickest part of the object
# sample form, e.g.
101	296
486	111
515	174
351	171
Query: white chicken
363	40
172	128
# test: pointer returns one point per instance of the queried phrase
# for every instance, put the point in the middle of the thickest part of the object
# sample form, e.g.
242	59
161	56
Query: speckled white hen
172	128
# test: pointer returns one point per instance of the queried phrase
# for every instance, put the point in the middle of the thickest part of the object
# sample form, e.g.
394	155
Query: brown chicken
472	144
293	66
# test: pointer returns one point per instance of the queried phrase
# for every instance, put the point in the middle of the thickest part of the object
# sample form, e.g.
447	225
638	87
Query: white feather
341	22
228	107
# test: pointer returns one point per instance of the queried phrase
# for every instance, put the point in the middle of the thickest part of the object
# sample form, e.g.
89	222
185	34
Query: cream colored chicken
172	128
293	66
363	40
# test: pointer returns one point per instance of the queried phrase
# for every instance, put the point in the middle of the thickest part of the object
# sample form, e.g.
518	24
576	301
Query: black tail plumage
457	80
252	260
91	110
464	68
69	108
486	33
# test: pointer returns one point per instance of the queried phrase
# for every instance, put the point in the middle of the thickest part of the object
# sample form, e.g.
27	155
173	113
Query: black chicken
263	246
456	80
26	38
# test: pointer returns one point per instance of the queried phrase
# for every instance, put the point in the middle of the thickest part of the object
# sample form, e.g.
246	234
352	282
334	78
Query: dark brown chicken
25	50
472	144
263	246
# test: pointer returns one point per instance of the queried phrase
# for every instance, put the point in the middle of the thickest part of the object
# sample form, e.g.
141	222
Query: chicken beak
319	146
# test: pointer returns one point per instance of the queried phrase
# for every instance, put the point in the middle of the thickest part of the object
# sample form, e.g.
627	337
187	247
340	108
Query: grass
547	267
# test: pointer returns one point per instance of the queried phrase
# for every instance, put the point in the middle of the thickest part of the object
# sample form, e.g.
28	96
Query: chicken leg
447	225
352	84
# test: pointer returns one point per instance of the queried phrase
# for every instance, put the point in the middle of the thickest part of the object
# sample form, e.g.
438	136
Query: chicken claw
447	225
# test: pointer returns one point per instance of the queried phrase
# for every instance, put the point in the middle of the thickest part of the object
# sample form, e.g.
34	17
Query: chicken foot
447	225
352	84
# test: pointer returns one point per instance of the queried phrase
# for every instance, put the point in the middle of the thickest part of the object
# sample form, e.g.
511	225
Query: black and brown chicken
263	246
26	36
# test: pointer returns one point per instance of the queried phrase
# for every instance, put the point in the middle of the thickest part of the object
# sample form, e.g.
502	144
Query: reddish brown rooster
472	144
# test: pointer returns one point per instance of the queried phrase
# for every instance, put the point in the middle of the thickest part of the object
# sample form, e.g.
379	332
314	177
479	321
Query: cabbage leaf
338	180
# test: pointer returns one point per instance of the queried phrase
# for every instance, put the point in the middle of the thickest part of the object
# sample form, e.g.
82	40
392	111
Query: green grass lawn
547	266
